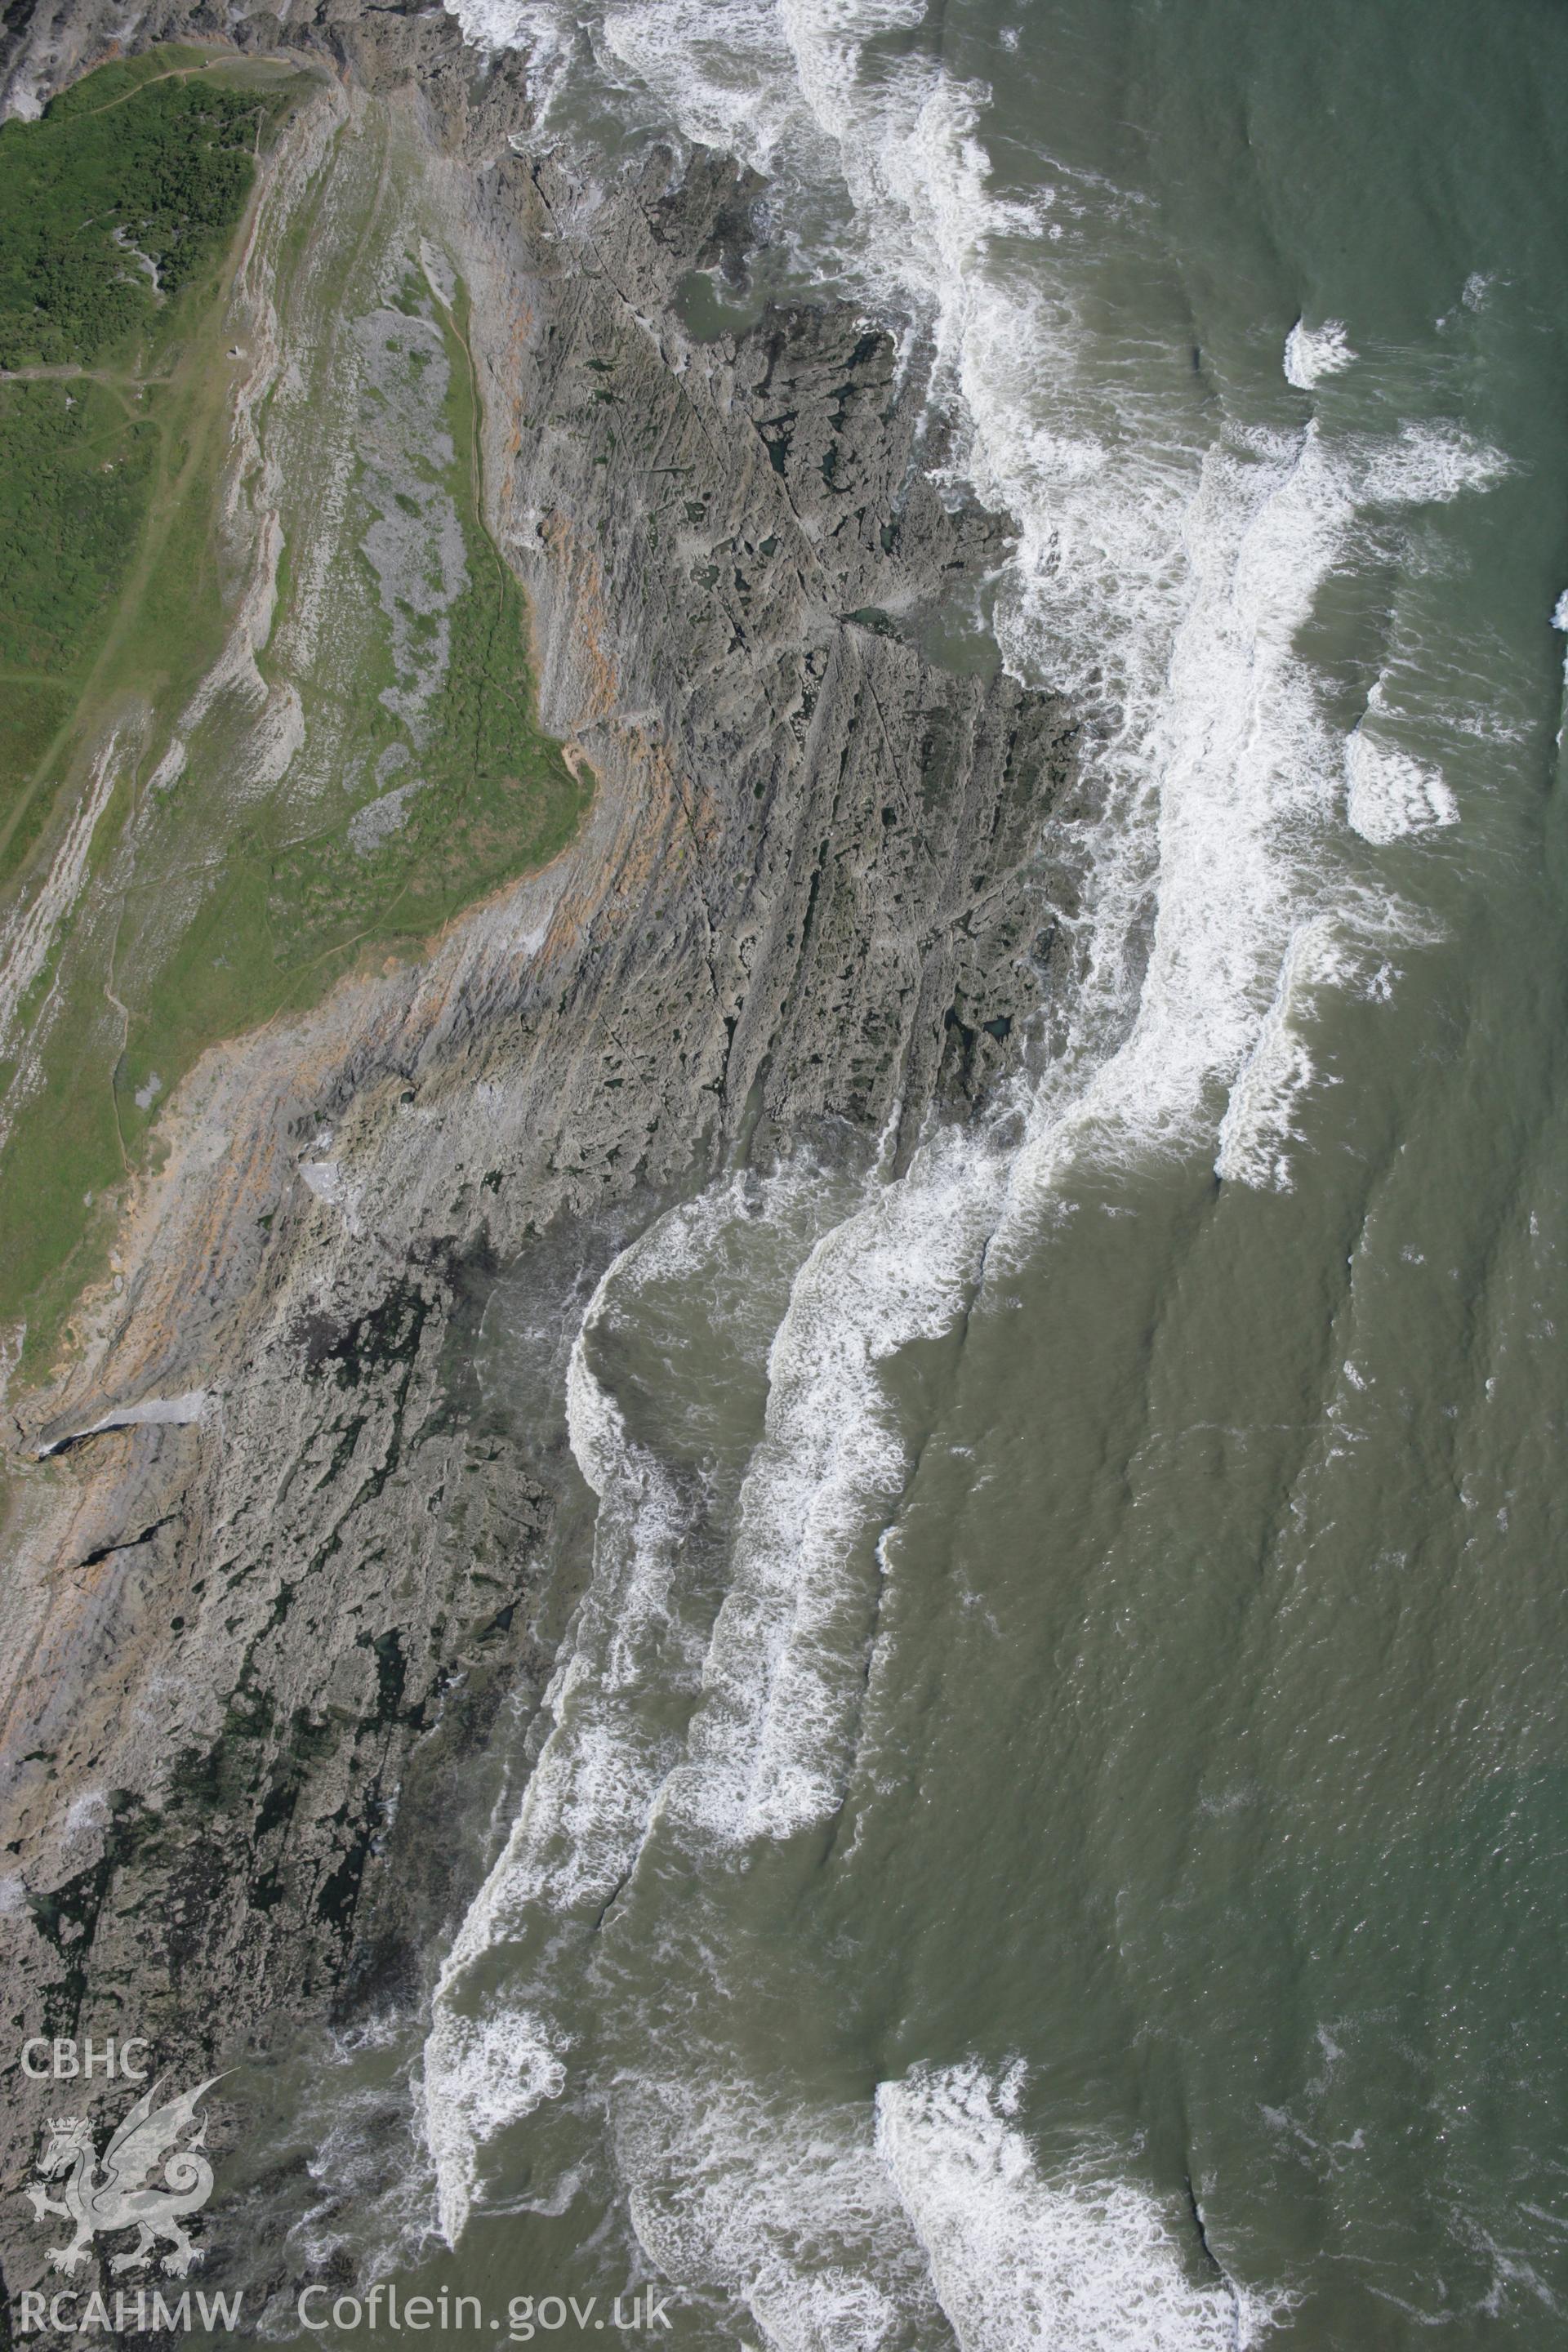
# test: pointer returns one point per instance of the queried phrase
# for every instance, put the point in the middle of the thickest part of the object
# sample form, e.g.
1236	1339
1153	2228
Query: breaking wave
1313	353
1087	2262
924	2219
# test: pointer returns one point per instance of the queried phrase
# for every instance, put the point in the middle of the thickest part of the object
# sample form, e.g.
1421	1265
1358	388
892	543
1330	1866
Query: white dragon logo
124	2195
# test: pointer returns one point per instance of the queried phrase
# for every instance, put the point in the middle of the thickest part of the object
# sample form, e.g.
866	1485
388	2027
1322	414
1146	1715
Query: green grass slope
266	580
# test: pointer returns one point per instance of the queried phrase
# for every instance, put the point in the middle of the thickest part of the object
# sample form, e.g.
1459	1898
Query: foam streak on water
615	1703
787	2205
770	1746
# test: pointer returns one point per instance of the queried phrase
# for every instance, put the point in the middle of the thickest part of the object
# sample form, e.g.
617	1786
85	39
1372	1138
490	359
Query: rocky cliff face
268	1572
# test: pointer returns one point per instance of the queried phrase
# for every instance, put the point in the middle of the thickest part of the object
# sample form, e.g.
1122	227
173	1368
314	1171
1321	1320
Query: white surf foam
615	1701
1313	353
480	2075
1087	2263
1259	1126
770	1745
587	1799
844	2228
785	2206
1391	794
1240	796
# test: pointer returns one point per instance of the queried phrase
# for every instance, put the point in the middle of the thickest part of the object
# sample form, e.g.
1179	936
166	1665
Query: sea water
1050	1826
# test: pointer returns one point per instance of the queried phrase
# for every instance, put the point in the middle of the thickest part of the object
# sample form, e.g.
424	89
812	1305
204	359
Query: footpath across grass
117	210
122	193
230	881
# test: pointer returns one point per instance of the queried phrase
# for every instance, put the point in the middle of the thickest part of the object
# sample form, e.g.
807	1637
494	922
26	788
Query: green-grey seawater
1052	1824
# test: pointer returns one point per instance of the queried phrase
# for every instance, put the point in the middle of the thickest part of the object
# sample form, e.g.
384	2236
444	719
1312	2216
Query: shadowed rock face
248	1647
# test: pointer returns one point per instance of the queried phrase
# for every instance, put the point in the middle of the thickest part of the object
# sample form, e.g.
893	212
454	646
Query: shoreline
782	917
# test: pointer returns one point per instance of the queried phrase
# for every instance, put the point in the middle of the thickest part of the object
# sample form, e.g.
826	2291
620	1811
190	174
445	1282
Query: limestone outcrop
270	1556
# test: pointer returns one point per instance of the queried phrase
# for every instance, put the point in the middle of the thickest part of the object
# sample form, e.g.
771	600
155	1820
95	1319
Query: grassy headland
116	213
264	701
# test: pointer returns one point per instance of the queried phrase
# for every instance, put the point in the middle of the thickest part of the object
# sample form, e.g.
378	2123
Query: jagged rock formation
250	1639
